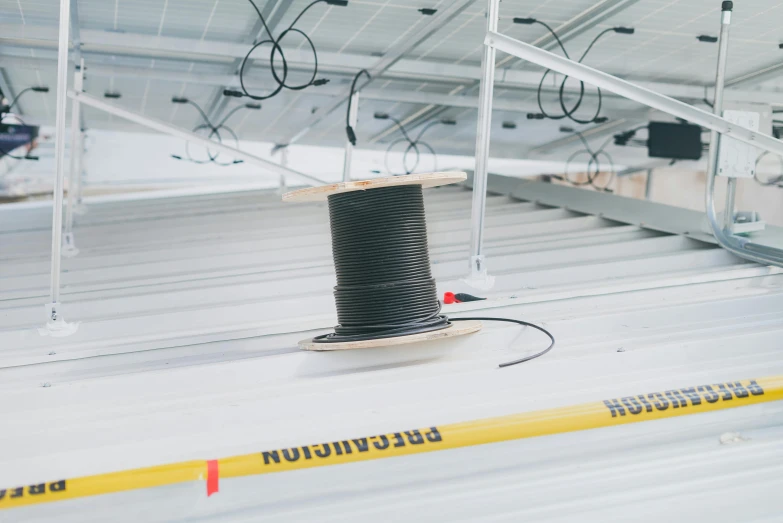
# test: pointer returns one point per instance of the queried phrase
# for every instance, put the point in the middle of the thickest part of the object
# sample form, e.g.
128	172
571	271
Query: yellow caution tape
615	411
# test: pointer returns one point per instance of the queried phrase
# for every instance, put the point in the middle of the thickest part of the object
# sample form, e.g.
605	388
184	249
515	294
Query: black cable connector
232	92
463	297
112	95
255	107
340	3
625	30
601	119
448	121
535	116
509	125
348	128
351	134
321	81
707	39
525	21
381	116
179	100
427	11
40	89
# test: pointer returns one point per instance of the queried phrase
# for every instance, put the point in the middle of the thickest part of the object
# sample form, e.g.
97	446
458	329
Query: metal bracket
56	326
69	245
737	159
479	278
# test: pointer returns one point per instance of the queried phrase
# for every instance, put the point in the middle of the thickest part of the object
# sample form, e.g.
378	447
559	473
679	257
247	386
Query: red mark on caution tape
212	477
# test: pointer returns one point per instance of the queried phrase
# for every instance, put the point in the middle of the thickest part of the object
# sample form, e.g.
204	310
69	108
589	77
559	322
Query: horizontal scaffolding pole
165	128
632	92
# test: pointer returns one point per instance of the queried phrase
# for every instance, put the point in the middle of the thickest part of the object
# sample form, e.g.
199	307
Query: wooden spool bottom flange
459	328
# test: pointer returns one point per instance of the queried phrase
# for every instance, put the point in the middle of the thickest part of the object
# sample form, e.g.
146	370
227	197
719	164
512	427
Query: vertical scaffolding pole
55	324
353	120
648	185
478	276
69	243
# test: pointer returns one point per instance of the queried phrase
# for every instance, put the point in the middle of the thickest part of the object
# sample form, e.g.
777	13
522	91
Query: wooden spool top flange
322	192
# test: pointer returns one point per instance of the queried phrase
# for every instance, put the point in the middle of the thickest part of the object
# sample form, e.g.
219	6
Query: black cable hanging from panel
566	112
413	143
281	79
213	134
349	130
594	167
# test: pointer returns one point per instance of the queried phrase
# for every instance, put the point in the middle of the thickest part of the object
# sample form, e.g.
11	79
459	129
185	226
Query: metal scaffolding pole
633	92
69	243
740	246
353	120
478	276
55	324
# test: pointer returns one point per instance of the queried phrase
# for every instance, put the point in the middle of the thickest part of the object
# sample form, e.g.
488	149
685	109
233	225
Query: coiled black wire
385	286
214	135
277	50
413	146
566	112
593	165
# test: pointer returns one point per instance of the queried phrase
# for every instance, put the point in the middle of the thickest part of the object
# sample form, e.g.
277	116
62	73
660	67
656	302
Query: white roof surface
191	307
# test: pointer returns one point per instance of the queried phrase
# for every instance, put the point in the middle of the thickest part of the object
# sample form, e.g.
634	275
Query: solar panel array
151	50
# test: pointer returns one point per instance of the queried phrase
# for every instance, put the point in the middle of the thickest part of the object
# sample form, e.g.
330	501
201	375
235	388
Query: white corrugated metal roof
191	307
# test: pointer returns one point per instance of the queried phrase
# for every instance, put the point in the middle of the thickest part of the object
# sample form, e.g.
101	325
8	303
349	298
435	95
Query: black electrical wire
7	109
569	113
7	154
348	128
385	287
518	322
214	133
593	165
413	146
566	112
277	50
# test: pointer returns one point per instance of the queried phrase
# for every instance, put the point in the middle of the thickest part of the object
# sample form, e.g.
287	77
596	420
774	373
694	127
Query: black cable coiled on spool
384	286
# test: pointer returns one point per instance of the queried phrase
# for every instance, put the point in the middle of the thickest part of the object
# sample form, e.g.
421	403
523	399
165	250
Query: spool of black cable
385	293
384	283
